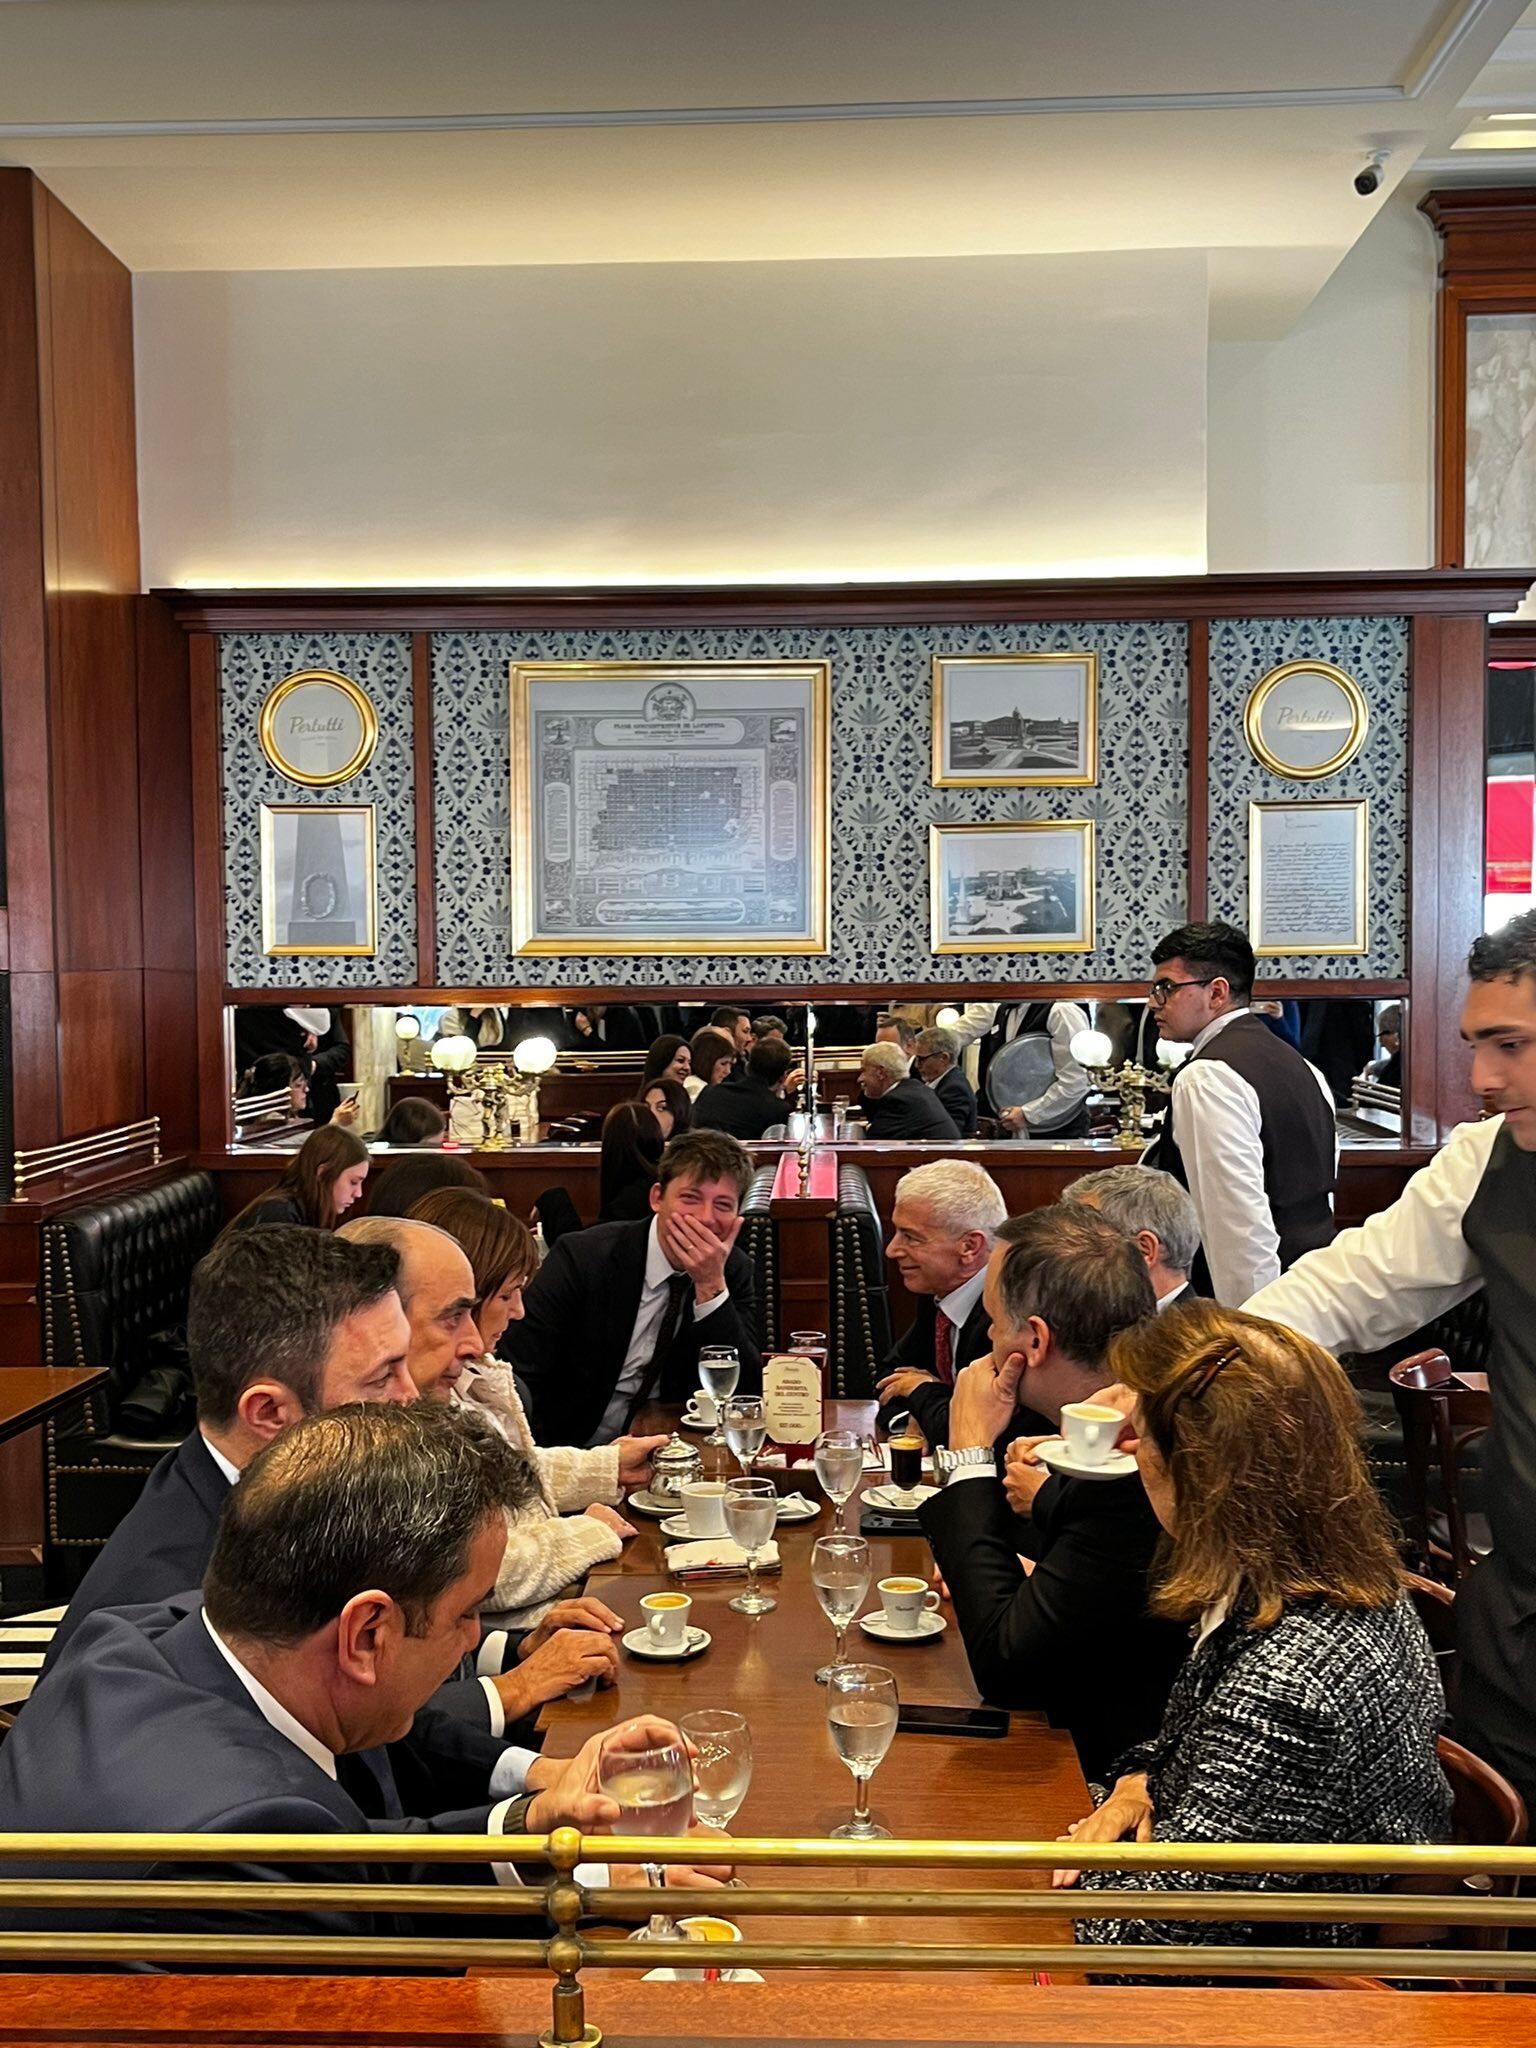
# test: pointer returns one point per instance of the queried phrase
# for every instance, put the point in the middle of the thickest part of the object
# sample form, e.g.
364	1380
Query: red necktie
944	1348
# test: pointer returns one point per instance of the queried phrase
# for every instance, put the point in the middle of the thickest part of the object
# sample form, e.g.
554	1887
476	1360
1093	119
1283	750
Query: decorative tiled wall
1375	653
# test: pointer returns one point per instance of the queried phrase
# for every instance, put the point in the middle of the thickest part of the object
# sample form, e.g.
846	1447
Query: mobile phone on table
915	1720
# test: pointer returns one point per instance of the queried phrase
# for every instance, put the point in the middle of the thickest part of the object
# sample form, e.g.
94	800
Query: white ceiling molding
1441	49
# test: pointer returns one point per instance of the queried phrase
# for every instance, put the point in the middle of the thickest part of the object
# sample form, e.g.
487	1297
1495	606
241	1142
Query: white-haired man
895	1103
944	1225
1156	1213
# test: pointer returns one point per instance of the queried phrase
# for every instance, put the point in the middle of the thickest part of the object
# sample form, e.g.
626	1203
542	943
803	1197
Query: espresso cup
707	1409
1089	1431
704	1506
666	1619
905	1602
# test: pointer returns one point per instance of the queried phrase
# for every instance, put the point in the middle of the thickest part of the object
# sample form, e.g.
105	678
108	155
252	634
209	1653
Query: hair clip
1217	1365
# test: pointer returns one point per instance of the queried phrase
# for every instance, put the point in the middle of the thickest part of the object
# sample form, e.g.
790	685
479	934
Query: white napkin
796	1501
718	1554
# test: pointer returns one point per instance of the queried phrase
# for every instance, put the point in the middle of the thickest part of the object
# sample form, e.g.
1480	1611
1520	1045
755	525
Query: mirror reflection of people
412	1121
935	1061
712	1057
315	1037
894	1102
668	1056
629	1157
1388	1070
670	1103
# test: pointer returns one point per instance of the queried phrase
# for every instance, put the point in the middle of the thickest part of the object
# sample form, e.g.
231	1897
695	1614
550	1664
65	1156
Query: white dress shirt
1218	1127
642	1338
1401	1268
1069	1088
956	1307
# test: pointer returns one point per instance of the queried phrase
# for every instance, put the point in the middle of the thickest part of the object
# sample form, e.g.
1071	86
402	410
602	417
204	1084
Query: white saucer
647	1503
690	1419
1055	1456
929	1625
638	1643
898	1499
676	1526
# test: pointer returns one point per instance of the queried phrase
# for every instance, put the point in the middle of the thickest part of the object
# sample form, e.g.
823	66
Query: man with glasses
1250	1129
936	1060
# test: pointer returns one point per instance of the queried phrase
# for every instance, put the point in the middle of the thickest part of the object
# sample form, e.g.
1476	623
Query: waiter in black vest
1465	1221
1250	1129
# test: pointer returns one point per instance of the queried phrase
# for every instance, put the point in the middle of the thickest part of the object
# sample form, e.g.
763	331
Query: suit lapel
203	1479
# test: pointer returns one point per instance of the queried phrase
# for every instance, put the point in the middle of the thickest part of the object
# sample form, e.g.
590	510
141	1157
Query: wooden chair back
1442	1412
1435	1606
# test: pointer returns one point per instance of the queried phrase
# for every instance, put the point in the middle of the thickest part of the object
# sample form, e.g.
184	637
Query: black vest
1296	1130
1500	1228
1035	1023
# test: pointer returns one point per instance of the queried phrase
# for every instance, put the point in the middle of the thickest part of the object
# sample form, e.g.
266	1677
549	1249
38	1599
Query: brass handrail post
563	1951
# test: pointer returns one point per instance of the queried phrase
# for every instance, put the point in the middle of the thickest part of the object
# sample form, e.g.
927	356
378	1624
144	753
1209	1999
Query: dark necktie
944	1348
679	1288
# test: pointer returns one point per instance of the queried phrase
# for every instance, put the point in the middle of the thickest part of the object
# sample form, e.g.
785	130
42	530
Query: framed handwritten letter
1307	877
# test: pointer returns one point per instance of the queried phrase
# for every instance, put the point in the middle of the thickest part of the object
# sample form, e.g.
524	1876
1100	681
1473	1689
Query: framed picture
1307	865
1015	721
318	728
670	807
318	893
1306	719
1012	888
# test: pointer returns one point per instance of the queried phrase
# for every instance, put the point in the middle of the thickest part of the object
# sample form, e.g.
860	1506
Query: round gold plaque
1305	720
318	728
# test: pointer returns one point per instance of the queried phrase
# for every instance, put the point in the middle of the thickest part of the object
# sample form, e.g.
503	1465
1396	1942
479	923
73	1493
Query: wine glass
751	1510
653	1790
722	1764
861	1714
839	1467
746	1428
840	1572
719	1370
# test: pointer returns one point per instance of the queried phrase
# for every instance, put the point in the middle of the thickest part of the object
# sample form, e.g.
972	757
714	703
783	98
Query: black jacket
913	1352
1073	1637
578	1315
909	1110
740	1104
959	1100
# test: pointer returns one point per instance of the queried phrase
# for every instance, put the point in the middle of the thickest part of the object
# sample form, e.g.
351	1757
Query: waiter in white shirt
1060	1109
1250	1128
1467	1220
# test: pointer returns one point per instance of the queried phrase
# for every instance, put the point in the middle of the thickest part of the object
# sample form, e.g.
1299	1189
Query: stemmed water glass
861	1715
719	1370
653	1790
751	1510
840	1572
722	1763
839	1467
746	1428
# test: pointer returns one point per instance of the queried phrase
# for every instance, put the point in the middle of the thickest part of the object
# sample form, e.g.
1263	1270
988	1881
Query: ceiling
296	134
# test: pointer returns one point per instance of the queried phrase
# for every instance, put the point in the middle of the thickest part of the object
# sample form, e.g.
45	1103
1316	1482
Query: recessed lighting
1530	117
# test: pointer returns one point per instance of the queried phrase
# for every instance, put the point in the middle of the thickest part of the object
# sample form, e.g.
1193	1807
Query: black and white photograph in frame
318	892
1015	721
1025	888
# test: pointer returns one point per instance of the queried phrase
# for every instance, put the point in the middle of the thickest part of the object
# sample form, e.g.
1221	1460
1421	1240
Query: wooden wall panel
101	1049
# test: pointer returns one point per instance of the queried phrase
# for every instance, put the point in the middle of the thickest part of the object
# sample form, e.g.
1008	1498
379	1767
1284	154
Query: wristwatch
947	1463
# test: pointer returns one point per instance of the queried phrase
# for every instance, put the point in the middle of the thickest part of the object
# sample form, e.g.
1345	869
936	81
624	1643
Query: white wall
639	423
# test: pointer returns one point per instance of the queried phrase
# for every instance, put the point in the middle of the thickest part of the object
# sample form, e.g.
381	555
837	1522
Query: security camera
1369	180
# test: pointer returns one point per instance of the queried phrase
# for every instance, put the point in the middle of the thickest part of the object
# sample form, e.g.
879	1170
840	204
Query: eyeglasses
1160	991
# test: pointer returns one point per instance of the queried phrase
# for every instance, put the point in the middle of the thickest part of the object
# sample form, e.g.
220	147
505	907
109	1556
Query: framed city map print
670	807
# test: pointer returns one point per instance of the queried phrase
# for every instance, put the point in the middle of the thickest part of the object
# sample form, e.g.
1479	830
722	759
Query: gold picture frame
319	880
1297	849
1310	717
357	703
949	863
1058	740
765	727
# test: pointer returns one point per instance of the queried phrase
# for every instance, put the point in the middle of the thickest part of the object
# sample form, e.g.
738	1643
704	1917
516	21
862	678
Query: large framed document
1307	877
670	807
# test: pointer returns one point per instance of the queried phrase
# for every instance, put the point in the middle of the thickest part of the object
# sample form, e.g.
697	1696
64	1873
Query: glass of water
839	1467
719	1370
861	1715
722	1766
653	1789
746	1428
840	1572
751	1510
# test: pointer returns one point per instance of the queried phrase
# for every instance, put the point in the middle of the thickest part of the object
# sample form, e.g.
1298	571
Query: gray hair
935	1039
958	1194
1136	1198
890	1057
402	1234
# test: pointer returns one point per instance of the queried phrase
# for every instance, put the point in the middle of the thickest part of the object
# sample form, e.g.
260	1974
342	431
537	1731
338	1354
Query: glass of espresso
906	1461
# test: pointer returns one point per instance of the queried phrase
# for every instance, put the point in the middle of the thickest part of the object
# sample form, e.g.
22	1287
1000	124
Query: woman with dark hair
668	1055
712	1058
320	1183
670	1104
412	1121
631	1154
548	1547
1310	1704
404	1181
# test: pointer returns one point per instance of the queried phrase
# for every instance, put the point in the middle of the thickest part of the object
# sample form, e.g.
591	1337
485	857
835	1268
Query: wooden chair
1435	1606
1443	1411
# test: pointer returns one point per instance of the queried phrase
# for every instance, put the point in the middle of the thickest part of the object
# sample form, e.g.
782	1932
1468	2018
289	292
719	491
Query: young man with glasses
1250	1129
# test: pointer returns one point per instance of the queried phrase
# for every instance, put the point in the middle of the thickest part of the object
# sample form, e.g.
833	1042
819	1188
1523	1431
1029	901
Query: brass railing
98	1148
566	1952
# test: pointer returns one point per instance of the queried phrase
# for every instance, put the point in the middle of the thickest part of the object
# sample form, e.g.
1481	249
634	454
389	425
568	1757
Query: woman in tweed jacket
571	1525
1309	1706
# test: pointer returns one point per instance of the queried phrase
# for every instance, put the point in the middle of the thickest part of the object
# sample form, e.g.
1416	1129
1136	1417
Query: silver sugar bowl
675	1466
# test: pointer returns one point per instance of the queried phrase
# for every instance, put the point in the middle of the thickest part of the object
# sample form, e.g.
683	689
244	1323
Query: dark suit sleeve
540	1345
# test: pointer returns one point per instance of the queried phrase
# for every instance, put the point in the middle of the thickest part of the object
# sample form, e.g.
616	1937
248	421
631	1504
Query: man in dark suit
894	1102
936	1061
1066	1628
283	1322
754	1099
617	1314
1156	1214
271	1704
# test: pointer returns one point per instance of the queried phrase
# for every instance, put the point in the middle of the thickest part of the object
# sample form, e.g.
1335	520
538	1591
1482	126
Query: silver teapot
675	1466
